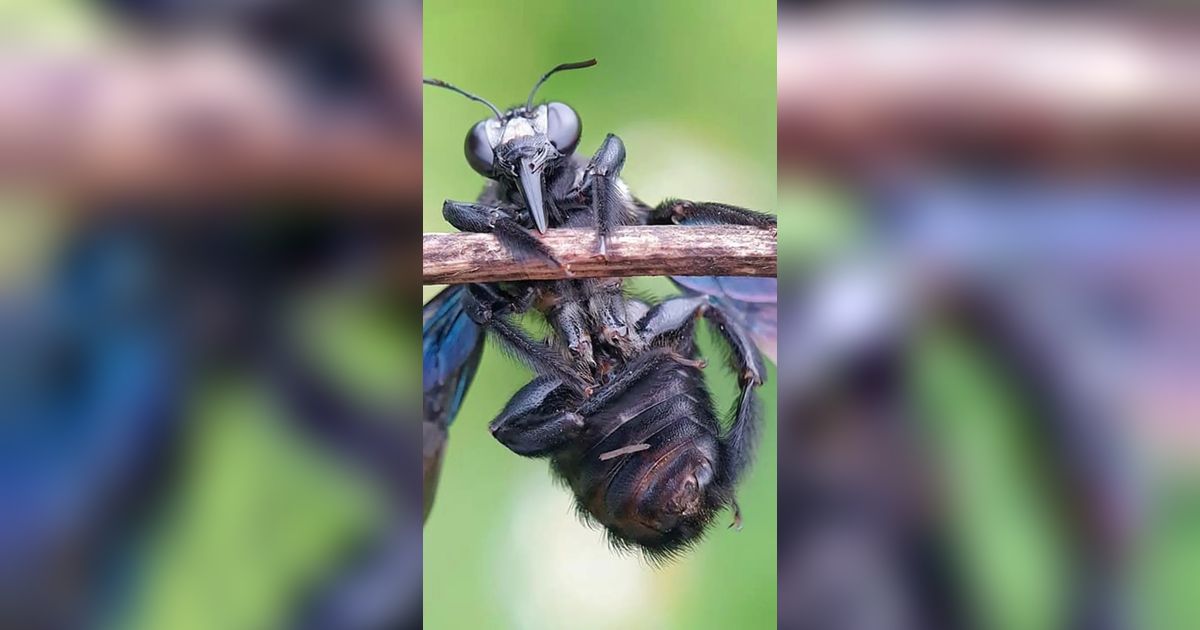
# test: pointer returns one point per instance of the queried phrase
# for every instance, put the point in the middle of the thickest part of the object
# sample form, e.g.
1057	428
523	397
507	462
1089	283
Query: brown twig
632	251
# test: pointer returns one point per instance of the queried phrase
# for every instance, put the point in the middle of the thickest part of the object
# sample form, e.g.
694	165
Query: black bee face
518	145
521	145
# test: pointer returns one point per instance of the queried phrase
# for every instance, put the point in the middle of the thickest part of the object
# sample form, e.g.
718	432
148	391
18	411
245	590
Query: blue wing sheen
753	300
451	346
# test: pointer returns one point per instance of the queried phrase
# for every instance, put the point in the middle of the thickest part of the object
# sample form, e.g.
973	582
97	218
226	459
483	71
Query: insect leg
569	318
634	373
745	358
482	218
542	416
604	171
609	308
537	420
674	317
487	308
700	212
504	298
670	319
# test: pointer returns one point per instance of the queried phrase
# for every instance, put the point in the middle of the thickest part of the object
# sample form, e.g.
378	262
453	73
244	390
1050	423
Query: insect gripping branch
726	250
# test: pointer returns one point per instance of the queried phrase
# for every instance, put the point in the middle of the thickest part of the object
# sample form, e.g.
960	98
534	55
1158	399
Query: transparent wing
753	300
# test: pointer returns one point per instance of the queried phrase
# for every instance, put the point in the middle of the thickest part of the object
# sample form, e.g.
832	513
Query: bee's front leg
603	178
483	218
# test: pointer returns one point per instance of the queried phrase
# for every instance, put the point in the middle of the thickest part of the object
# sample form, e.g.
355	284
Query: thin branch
632	251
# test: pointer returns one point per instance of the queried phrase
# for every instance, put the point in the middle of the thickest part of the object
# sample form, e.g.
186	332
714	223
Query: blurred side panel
209	217
988	331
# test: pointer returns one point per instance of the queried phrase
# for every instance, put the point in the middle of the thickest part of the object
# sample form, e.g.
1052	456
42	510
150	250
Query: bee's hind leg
538	420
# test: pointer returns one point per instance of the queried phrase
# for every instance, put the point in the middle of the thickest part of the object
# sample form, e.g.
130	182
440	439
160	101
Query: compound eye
479	150
563	127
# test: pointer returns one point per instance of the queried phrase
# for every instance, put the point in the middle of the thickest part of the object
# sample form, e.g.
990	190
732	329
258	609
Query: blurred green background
690	88
256	514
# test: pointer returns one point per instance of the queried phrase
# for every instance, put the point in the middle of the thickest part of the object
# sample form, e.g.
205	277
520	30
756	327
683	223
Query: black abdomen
633	444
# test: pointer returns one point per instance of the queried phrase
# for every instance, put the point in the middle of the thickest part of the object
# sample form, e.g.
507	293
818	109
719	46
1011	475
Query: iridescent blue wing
451	344
89	396
752	300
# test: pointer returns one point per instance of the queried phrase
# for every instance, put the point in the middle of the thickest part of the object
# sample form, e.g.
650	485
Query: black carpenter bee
619	404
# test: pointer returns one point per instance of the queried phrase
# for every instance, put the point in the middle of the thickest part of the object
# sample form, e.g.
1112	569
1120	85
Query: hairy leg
538	420
684	212
491	310
482	218
603	174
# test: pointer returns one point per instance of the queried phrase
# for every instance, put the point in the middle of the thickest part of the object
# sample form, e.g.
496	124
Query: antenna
562	66
443	84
